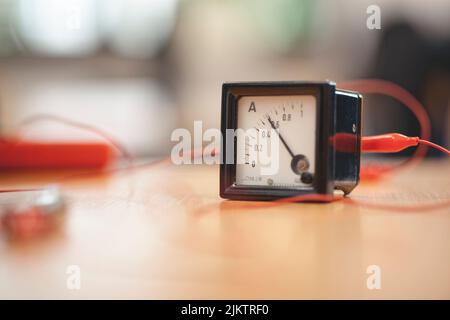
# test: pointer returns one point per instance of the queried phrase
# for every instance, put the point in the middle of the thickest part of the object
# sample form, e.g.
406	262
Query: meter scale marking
292	120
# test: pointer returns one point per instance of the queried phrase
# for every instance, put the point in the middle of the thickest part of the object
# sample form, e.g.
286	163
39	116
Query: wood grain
163	232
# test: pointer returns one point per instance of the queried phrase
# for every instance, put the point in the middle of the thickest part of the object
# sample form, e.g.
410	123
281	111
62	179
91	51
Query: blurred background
140	68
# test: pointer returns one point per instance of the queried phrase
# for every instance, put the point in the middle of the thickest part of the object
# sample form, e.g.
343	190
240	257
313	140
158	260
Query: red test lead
390	142
18	154
394	142
384	143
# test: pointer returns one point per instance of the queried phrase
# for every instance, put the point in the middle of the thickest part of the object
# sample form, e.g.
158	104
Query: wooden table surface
163	232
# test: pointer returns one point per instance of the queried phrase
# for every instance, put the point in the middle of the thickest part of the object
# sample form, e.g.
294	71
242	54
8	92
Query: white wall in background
135	111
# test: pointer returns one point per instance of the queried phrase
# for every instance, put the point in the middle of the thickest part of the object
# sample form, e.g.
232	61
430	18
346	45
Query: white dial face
291	120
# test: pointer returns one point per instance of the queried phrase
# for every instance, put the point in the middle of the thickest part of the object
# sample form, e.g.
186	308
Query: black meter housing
337	143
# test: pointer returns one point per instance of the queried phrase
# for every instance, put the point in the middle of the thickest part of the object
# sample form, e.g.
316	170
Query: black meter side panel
324	164
348	128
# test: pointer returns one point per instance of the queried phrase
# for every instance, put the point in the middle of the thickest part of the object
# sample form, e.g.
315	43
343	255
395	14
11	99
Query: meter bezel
324	92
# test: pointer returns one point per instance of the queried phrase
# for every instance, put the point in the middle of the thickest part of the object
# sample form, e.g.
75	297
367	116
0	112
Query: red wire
86	127
434	145
83	126
320	198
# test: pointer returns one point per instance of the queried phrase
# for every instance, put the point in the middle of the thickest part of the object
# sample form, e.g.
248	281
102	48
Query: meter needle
272	124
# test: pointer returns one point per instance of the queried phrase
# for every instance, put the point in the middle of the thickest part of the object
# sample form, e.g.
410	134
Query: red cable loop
376	86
